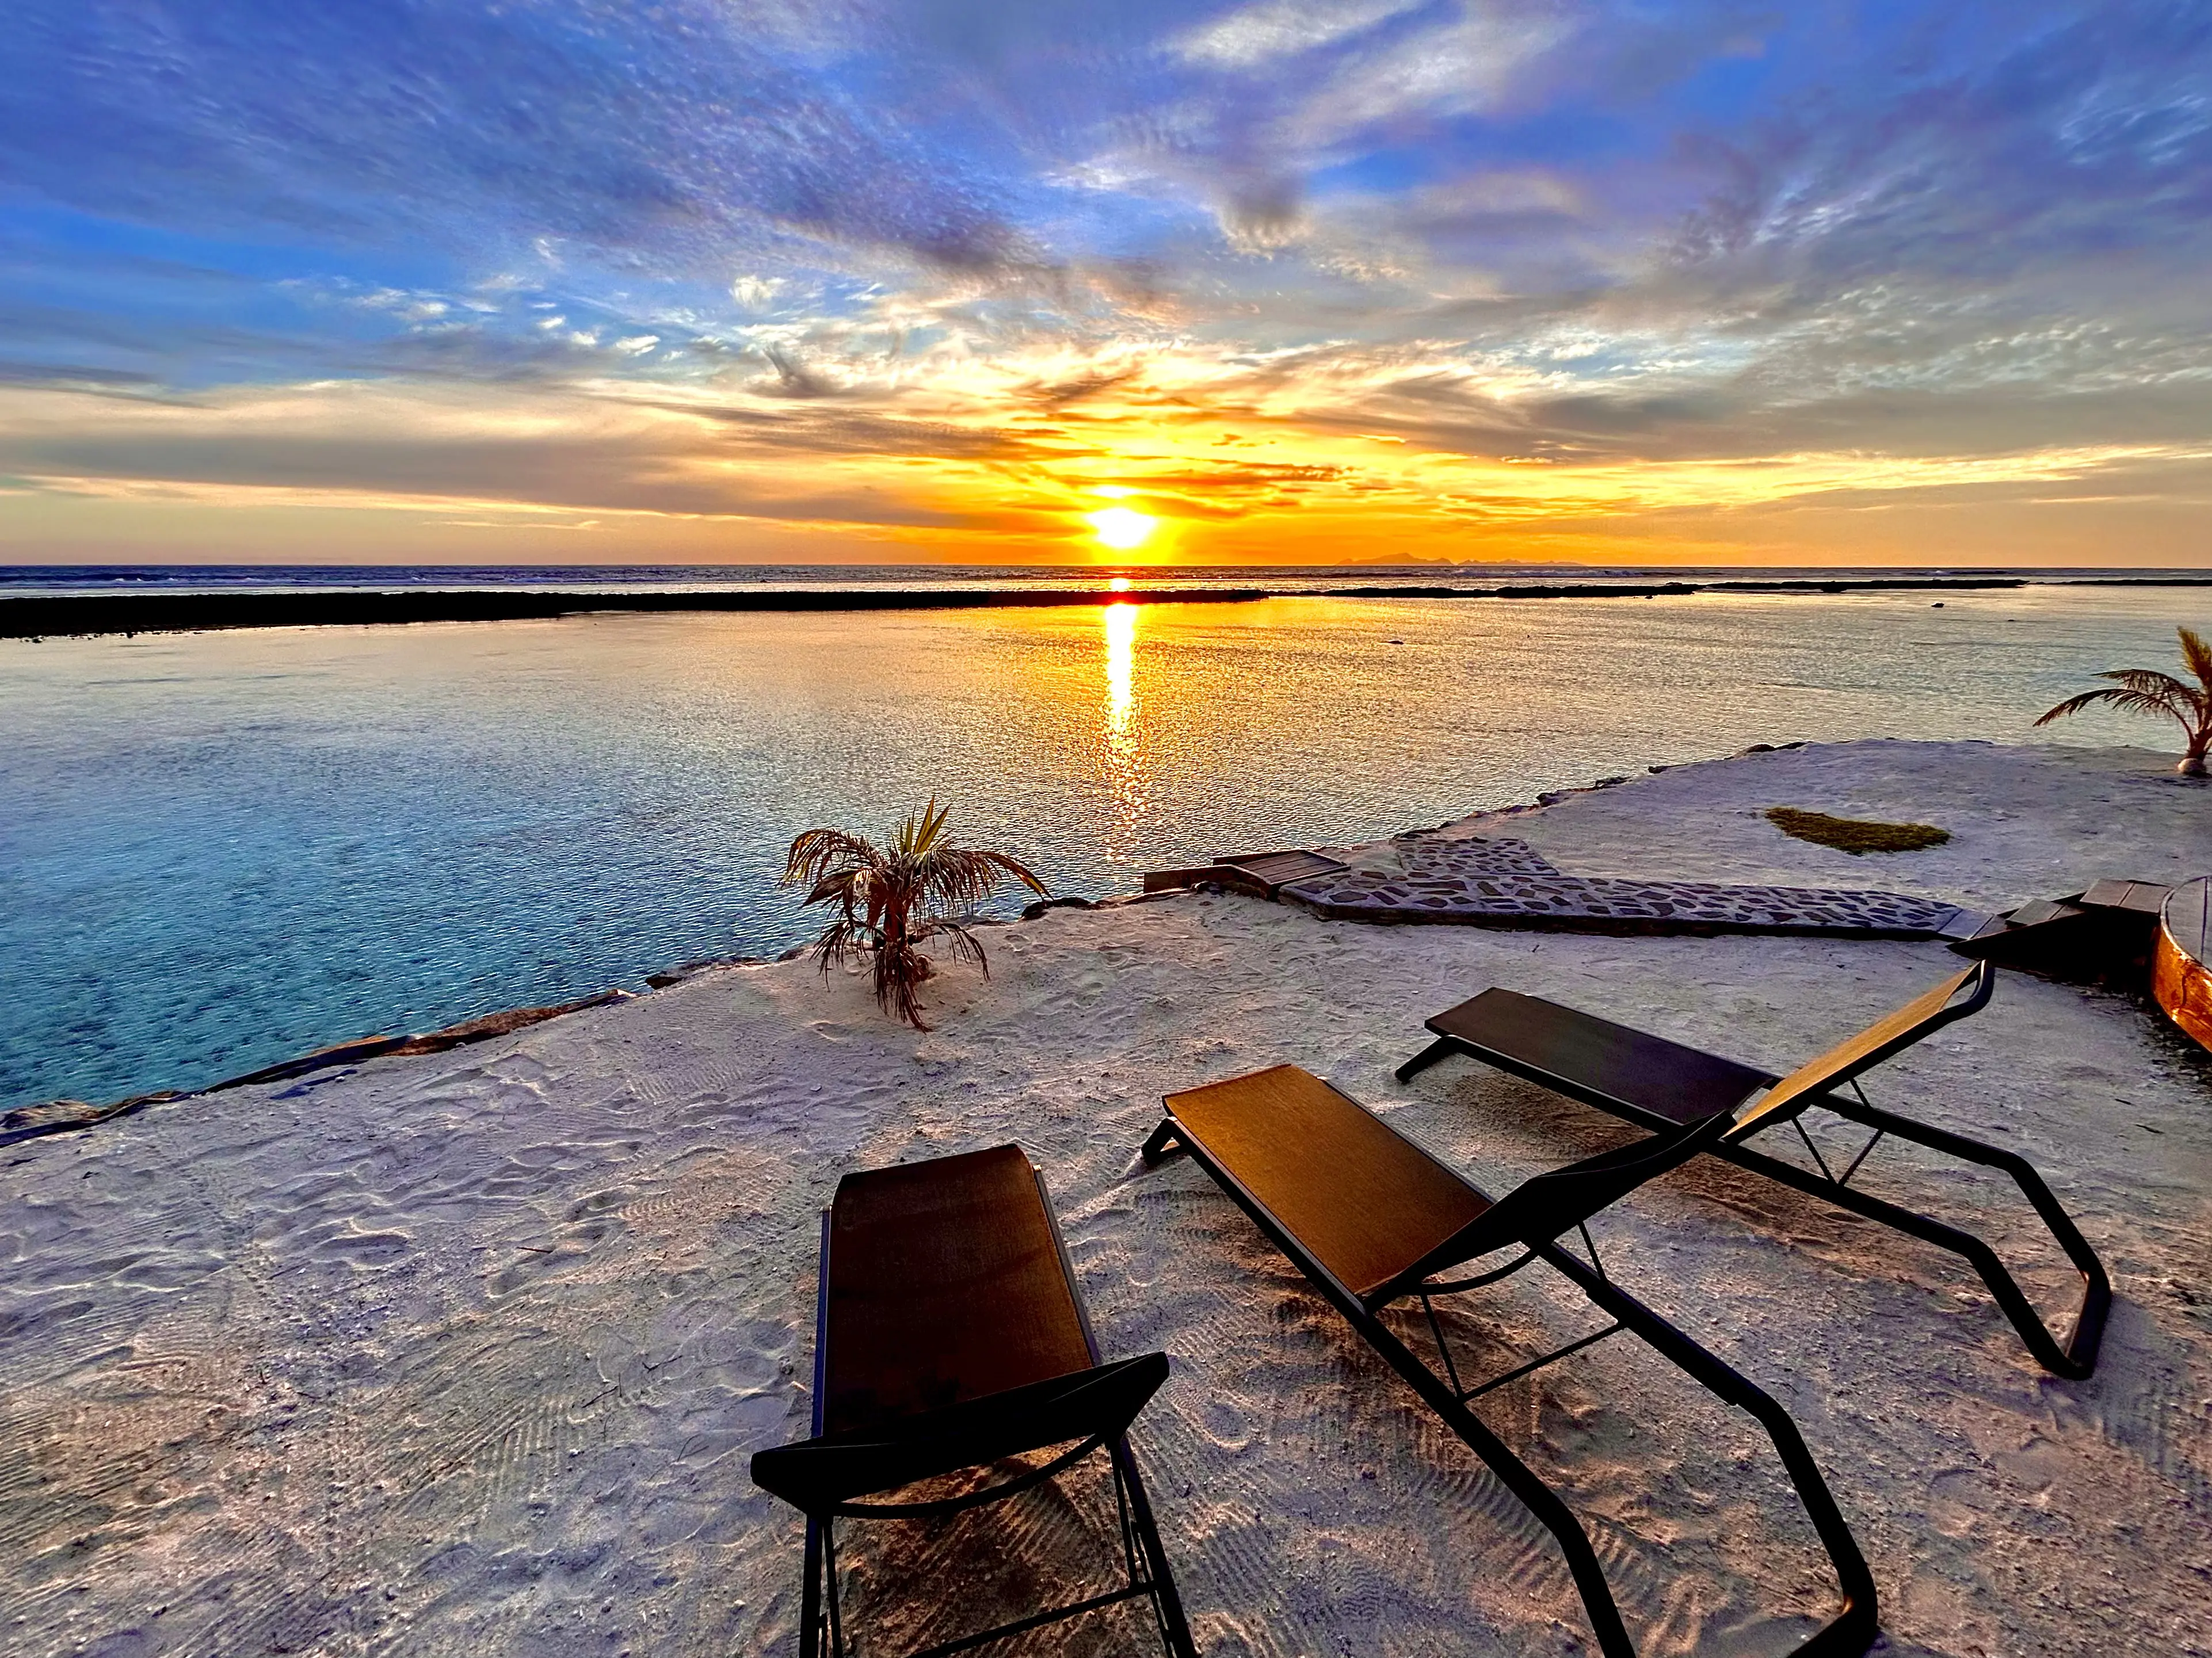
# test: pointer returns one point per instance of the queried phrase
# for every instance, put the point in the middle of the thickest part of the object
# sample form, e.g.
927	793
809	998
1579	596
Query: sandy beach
465	1352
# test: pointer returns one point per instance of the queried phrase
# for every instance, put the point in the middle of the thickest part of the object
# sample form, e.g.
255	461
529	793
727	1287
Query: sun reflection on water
1128	789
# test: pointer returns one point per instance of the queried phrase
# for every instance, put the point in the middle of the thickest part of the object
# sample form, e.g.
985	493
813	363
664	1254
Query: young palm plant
2146	690
891	900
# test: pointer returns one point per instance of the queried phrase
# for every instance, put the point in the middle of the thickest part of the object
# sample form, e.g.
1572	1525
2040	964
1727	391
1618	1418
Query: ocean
218	850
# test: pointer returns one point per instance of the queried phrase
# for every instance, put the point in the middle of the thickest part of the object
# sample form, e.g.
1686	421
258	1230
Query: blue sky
1877	283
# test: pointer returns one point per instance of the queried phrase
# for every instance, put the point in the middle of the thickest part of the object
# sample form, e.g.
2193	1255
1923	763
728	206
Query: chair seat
944	1283
1588	1057
1360	1198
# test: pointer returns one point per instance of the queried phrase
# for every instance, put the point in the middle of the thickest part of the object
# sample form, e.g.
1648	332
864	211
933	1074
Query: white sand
465	1353
2026	823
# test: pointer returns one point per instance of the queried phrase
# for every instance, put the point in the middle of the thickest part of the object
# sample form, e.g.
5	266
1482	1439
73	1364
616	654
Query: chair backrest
1543	1206
1879	1041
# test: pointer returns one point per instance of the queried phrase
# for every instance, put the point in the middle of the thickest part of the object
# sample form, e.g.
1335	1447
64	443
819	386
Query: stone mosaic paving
1508	883
1421	857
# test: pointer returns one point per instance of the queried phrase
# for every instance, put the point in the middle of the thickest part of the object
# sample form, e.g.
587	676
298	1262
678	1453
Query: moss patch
1855	835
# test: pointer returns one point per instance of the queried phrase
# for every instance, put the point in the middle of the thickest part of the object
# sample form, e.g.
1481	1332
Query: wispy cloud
1258	37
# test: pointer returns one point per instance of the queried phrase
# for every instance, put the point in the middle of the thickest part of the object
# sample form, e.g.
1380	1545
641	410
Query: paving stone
1508	883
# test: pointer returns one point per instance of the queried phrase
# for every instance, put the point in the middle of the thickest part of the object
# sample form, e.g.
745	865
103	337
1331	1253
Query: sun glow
1123	749
1120	670
1122	528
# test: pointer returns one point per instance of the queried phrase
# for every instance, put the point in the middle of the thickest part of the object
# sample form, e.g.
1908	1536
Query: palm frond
2124	700
838	884
966	946
955	880
1016	871
2173	705
819	851
900	969
2149	681
2199	656
2075	704
920	834
843	939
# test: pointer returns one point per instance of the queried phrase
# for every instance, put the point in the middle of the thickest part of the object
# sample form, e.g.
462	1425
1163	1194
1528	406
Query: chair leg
1540	1499
1165	1142
1443	1047
809	1595
830	1589
1853	1630
2078	1358
1175	1629
822	1633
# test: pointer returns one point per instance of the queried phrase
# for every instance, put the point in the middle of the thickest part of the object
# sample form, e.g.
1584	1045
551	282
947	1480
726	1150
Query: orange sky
1002	463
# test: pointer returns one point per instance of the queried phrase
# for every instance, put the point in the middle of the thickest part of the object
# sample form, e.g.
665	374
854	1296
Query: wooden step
2101	934
1275	870
2041	912
1263	874
2143	897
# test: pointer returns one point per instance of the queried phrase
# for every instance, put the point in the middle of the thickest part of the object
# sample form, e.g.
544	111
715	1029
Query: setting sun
1122	528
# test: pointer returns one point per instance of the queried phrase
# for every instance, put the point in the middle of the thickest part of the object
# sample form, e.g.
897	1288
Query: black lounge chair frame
1705	1078
1533	1217
826	1476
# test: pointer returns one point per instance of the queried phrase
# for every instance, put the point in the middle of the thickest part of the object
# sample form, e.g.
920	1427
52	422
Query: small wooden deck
2103	934
1262	874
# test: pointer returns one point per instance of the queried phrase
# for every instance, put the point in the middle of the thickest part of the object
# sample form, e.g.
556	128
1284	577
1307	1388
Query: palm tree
890	901
2146	690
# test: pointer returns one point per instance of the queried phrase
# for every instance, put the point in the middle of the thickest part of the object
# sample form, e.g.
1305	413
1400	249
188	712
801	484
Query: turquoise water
218	850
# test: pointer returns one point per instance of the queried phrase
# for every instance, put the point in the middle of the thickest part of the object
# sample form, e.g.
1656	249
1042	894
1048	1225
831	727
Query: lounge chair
950	1336
1659	1084
1373	1220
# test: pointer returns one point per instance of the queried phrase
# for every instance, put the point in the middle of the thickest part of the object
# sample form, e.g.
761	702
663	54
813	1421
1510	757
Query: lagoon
217	850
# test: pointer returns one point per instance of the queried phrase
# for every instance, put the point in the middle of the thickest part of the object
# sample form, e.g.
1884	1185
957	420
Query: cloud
2063	150
1466	64
1256	36
954	257
673	132
421	445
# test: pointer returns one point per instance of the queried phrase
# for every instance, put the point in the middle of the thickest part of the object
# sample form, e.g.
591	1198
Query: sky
1290	280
